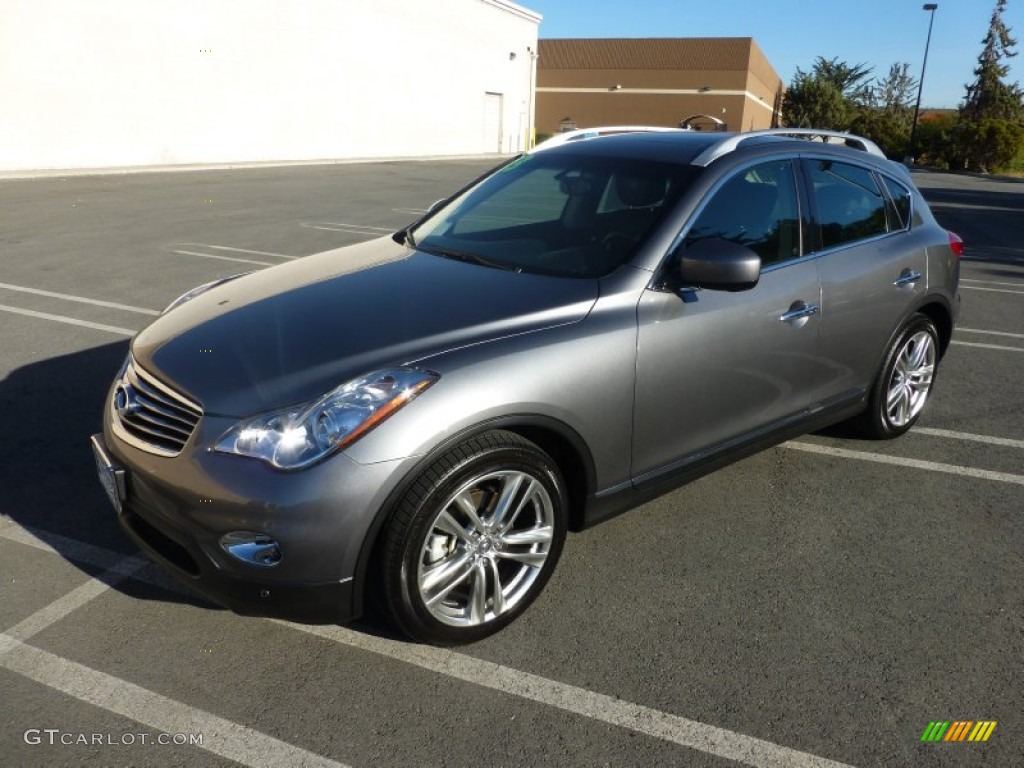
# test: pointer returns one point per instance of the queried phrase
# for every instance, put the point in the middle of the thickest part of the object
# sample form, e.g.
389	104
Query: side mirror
716	264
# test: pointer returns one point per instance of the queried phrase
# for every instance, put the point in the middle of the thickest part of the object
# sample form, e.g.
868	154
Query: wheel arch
560	441
937	311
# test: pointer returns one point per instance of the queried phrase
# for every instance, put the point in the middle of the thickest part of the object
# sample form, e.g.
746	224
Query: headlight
297	437
200	289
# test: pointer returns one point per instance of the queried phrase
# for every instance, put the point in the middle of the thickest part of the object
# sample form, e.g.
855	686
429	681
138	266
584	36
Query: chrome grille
151	415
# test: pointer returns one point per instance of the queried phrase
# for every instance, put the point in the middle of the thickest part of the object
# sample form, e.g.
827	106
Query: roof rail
605	130
732	142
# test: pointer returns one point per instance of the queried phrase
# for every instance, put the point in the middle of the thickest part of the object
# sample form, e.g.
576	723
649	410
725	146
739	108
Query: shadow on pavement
48	482
47	472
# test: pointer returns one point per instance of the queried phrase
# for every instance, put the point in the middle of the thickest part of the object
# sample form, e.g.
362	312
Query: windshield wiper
404	237
467	257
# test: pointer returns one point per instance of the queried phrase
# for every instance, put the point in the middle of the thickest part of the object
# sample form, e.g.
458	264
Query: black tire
449	579
900	392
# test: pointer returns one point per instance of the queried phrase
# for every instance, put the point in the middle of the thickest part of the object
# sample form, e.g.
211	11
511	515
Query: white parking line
931	466
69	320
230	740
1003	441
352	229
243	250
79	299
73	600
415	211
991	333
1000	347
220	737
990	290
89	554
386	230
224	258
569	698
992	282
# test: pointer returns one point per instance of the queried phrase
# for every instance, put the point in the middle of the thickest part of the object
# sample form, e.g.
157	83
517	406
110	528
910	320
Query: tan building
715	83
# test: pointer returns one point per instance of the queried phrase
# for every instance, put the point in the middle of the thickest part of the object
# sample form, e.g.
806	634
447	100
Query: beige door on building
493	103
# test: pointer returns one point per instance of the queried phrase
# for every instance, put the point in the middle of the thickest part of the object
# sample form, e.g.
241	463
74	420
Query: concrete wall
153	82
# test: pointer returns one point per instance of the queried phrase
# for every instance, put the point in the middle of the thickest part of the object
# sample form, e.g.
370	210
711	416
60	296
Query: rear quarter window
900	200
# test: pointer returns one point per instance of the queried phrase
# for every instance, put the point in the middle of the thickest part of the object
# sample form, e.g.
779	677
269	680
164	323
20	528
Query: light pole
912	148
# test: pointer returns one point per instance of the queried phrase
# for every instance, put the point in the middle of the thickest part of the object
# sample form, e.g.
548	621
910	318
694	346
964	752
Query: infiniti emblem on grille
125	401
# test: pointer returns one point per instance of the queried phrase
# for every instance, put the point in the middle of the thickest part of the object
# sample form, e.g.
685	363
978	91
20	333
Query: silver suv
420	419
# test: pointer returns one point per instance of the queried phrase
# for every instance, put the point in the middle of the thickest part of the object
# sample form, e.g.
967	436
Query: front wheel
474	540
905	381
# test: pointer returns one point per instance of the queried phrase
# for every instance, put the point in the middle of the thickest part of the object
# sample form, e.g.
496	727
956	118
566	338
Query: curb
51	173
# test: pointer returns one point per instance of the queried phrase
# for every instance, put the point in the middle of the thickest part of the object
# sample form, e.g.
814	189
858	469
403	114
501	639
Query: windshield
554	213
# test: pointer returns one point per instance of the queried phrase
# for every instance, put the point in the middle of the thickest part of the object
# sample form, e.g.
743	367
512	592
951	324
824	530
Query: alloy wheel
911	379
485	548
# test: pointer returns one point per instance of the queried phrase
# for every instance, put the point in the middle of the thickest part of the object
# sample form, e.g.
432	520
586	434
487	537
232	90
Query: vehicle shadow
48	483
47	472
844	430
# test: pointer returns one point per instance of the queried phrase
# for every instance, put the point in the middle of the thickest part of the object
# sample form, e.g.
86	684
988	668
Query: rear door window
850	205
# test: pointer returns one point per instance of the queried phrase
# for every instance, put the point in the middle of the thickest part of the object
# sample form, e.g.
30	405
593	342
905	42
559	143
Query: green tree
852	81
826	97
887	116
895	92
938	140
842	97
990	143
814	103
990	133
989	96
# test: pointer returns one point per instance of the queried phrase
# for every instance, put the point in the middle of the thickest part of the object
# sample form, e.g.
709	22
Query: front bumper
177	509
306	602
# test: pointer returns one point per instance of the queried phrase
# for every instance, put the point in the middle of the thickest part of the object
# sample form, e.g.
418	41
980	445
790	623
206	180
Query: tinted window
850	205
556	213
900	199
756	208
535	197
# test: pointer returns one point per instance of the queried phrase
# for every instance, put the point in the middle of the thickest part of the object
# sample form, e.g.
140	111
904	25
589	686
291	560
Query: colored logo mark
958	730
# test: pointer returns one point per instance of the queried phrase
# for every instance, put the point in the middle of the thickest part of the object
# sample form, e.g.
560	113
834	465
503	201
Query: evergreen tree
887	116
826	97
850	80
989	96
895	92
990	131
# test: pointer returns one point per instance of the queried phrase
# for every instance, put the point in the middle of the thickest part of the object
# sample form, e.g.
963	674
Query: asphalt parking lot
818	604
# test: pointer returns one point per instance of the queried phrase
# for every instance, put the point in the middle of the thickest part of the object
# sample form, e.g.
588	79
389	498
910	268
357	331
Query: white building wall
109	83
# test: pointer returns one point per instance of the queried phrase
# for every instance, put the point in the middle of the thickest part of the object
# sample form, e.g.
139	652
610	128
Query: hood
290	333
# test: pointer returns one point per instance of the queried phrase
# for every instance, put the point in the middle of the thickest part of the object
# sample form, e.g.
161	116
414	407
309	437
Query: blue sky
792	33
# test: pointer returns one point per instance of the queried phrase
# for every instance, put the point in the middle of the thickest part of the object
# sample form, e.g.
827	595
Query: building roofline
652	53
515	9
661	37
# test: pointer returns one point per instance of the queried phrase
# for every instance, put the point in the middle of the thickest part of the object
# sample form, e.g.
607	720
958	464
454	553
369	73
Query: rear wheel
905	382
475	540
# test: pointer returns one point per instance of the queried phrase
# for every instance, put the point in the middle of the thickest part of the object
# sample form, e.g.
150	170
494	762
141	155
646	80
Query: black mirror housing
716	264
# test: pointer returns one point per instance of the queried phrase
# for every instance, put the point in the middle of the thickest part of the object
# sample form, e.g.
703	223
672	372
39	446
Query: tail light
956	243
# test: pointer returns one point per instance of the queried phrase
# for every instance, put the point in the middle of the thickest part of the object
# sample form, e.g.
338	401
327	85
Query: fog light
252	548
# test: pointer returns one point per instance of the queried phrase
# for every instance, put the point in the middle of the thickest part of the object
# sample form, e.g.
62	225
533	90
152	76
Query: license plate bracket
112	477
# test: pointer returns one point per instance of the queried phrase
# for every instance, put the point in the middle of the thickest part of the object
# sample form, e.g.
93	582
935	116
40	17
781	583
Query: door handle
907	277
800	312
